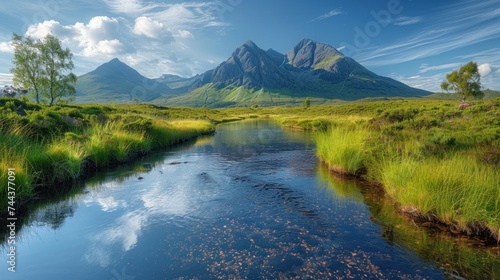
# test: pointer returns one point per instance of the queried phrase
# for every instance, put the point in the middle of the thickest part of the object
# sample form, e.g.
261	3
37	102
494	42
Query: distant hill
488	94
252	76
177	84
115	81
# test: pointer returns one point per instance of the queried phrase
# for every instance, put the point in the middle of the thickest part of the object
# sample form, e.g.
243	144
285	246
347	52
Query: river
251	201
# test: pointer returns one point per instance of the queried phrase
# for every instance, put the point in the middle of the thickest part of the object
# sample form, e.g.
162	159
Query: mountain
115	81
250	67
338	76
310	69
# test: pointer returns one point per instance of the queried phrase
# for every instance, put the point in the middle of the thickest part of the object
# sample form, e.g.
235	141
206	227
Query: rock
464	105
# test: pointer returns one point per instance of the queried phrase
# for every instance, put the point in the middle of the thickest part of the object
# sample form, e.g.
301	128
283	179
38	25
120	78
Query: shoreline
87	171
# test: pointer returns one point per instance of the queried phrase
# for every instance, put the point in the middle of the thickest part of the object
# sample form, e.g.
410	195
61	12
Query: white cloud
430	83
403	20
105	47
484	69
5	79
153	37
97	37
148	27
330	14
184	34
125	6
190	15
456	26
6	47
490	75
426	68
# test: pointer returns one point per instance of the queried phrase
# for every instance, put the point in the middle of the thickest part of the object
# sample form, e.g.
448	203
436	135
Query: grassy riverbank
440	164
50	148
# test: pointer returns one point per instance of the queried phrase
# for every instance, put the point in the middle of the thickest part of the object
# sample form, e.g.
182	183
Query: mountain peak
309	54
115	61
251	67
250	43
115	66
305	41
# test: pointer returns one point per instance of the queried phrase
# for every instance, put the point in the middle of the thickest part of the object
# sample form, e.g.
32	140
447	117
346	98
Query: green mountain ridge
115	81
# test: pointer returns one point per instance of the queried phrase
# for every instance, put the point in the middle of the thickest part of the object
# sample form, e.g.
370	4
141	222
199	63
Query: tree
40	67
57	60
28	65
465	82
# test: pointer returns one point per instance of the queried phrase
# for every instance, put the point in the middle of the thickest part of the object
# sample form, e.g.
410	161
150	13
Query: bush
399	115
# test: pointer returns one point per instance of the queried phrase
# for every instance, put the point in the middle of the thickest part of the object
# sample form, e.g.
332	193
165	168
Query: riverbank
49	149
440	164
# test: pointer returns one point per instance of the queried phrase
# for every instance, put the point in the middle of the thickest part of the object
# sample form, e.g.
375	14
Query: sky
414	41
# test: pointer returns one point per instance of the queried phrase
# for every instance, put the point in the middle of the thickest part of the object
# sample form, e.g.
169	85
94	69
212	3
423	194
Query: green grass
13	150
343	149
110	143
459	190
432	158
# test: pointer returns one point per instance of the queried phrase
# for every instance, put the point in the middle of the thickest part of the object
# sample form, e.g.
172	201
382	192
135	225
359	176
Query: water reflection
54	215
457	257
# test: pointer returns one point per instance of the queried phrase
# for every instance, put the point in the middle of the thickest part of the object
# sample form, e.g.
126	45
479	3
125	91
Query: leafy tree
28	68
56	61
40	66
465	82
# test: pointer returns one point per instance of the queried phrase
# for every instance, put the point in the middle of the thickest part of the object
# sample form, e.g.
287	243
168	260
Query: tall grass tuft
459	189
343	148
67	159
12	155
166	133
109	143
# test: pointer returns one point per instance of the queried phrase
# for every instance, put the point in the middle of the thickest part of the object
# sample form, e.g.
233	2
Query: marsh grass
167	133
458	189
12	154
343	148
110	143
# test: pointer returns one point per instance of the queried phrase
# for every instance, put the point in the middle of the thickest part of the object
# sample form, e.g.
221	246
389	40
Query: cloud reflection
170	195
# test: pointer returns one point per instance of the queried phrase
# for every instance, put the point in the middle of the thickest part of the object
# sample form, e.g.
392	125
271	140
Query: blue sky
415	42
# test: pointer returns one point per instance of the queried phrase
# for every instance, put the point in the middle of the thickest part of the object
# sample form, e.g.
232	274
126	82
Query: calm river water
250	202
